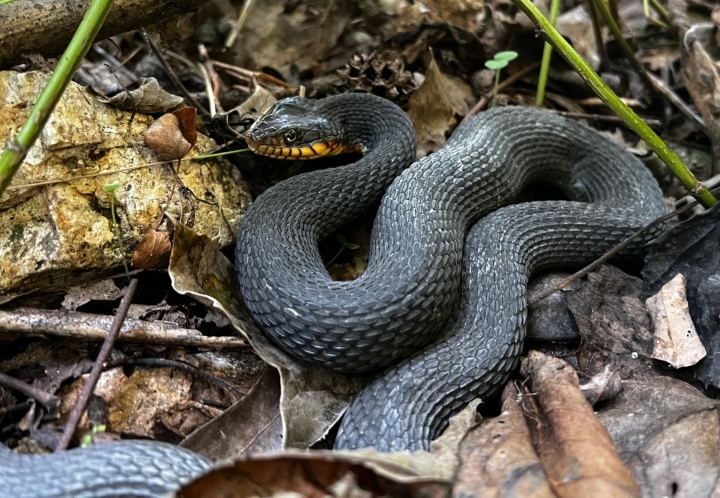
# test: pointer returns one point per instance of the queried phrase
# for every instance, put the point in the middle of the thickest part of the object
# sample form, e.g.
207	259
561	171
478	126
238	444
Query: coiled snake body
443	314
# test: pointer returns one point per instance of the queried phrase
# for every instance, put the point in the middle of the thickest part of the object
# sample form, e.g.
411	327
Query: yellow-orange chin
314	151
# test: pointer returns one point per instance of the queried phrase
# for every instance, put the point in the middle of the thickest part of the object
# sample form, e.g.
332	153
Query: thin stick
612	252
87	326
97	368
188	96
502	86
46	399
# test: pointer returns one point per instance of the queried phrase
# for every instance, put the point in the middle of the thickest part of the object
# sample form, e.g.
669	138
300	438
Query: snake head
293	129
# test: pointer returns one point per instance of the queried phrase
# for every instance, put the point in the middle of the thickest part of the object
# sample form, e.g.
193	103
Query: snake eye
290	136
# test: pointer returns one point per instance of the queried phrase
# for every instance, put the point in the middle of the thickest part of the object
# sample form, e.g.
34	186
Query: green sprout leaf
111	187
495	64
508	55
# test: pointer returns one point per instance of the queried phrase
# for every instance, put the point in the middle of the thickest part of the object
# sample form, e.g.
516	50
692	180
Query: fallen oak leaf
576	451
166	138
153	249
148	98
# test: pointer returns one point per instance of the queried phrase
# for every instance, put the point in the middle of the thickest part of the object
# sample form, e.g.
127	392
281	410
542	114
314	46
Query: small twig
19	407
612	252
502	86
248	75
601	117
97	368
165	363
46	399
188	96
675	99
215	82
88	326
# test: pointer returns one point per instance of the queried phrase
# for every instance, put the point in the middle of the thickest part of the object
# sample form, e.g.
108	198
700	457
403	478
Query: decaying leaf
667	433
603	386
701	75
676	341
252	425
497	458
613	323
147	98
691	248
576	451
152	249
434	106
310	475
104	290
166	138
311	399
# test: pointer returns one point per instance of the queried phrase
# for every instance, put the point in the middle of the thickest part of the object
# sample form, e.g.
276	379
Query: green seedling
344	244
88	438
116	226
497	63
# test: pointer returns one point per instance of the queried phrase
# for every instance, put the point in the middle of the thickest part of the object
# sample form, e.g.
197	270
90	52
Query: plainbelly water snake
453	319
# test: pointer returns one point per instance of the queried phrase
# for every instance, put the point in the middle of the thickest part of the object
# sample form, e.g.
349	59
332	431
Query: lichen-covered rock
61	233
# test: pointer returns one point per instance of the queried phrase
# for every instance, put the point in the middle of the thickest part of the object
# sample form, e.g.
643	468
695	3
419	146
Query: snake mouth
323	148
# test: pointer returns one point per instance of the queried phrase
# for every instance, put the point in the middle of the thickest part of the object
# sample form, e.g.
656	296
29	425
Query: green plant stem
661	11
495	89
696	188
81	42
337	254
547	55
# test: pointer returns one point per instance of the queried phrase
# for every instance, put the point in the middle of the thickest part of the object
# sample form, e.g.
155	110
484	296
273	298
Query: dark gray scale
409	297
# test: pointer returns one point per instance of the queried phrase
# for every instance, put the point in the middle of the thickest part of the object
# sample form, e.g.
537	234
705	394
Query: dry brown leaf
497	458
153	249
166	138
252	425
311	399
434	106
613	323
701	75
186	122
104	290
317	474
603	386
676	340
576	451
667	433
147	98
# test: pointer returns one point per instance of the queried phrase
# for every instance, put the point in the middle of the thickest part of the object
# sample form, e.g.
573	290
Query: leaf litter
428	57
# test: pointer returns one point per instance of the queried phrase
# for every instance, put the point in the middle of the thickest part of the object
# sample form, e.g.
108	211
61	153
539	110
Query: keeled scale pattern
413	280
121	469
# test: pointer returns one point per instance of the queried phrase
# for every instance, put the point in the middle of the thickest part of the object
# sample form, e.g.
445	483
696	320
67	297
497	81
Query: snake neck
312	200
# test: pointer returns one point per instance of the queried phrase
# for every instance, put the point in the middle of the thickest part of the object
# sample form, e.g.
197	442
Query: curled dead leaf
576	451
147	98
153	249
166	138
434	106
308	474
186	122
676	340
